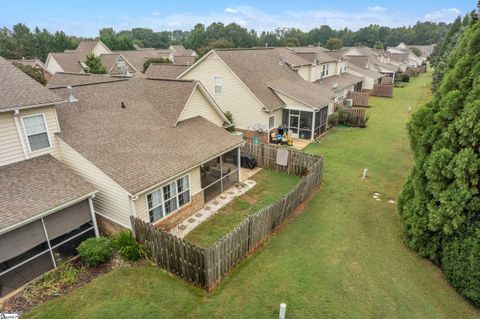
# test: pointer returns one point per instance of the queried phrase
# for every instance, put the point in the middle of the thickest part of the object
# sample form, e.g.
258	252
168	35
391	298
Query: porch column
312	137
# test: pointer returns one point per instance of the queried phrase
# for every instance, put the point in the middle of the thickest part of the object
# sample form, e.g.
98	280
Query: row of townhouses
82	155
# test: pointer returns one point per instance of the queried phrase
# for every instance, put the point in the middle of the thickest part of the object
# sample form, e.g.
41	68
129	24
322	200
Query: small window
271	122
168	199
326	73
36	131
218	84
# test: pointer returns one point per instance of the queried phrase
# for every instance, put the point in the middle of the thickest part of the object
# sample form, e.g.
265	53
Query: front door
294	124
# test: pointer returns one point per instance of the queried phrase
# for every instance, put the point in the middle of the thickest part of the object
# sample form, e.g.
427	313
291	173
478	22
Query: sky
86	17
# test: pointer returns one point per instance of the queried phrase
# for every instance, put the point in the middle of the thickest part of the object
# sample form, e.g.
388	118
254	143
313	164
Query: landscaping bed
271	185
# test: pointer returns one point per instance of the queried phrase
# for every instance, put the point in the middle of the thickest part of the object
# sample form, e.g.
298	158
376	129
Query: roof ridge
93	83
243	49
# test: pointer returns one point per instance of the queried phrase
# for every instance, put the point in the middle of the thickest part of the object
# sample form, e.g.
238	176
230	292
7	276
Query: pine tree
440	201
94	65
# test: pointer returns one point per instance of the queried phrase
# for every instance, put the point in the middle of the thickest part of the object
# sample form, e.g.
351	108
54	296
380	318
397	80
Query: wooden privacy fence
358	98
383	90
412	71
356	117
386	80
206	267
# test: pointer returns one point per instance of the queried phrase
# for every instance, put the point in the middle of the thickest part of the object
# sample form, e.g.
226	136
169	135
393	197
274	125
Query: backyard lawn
271	185
343	257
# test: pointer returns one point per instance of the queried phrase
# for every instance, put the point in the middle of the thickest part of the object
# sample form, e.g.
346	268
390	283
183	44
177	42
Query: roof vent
334	85
123	105
71	97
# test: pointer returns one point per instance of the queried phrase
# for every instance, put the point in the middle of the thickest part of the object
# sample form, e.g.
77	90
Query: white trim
46	131
92	212
296	99
31	106
162	202
45	213
113	221
234	74
215	77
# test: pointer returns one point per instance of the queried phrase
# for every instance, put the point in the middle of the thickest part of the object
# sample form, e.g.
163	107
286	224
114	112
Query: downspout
133	209
94	218
19	133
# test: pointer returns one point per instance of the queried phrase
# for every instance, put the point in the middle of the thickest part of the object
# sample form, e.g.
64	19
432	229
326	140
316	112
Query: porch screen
20	240
67	219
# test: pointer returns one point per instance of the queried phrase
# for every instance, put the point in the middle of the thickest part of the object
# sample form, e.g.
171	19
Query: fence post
283	311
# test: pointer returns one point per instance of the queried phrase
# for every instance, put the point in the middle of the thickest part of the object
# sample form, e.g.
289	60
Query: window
323	70
36	131
271	122
218	84
168	199
326	73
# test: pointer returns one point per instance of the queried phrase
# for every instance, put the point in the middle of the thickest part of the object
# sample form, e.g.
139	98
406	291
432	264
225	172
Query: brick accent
197	203
108	227
249	134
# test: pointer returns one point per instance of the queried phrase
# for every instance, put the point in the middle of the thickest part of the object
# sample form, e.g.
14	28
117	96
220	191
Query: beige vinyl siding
306	72
10	148
100	49
195	187
52	66
278	114
198	105
112	201
293	104
52	126
235	97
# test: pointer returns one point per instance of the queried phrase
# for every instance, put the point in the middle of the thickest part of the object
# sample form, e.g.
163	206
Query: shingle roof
260	69
184	60
315	97
34	186
138	146
310	49
69	62
164	71
335	54
18	90
85	48
364	71
179	50
342	81
62	79
359	60
138	57
321	54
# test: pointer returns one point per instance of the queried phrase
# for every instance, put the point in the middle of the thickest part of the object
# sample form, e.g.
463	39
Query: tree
94	65
215	44
378	45
116	41
416	51
155	60
334	44
291	42
35	74
439	204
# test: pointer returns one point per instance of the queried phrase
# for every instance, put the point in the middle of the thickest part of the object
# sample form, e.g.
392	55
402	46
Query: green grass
271	185
343	257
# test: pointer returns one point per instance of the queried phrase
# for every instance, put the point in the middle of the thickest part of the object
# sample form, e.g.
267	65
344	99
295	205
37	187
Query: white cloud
155	13
377	9
443	15
230	10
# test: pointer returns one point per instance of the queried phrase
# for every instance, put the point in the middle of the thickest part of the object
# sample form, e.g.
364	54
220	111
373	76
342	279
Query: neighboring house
164	71
181	56
46	209
62	79
371	77
375	60
73	61
404	56
264	89
177	54
36	64
155	149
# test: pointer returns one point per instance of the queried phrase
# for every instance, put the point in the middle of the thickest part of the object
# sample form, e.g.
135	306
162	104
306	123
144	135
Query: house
155	149
370	77
36	64
46	209
263	89
375	60
164	70
64	79
73	61
404	56
181	56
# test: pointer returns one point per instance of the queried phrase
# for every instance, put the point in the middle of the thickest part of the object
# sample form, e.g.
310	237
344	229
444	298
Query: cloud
376	9
230	10
443	15
155	13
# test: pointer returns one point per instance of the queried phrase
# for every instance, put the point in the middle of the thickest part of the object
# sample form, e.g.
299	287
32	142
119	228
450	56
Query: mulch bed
22	302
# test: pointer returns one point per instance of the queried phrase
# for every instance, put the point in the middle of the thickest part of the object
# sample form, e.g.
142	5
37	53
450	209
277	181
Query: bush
229	117
155	60
95	251
403	77
128	248
461	263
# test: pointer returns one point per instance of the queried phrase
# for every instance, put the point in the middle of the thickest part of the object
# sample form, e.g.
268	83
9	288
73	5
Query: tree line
21	42
440	202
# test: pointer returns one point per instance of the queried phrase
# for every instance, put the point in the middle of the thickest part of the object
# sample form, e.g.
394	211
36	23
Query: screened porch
305	124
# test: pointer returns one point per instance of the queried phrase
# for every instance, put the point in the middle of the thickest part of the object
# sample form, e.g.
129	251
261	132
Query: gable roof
339	82
164	70
67	61
63	79
86	47
18	90
263	69
318	54
138	57
138	146
179	50
184	60
365	71
34	186
313	97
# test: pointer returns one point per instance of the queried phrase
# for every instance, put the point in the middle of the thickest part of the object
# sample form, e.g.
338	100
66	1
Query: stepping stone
378	199
182	227
391	201
198	215
207	208
223	197
191	220
230	193
215	202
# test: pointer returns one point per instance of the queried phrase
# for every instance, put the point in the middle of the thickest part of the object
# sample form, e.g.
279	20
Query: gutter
32	106
47	212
